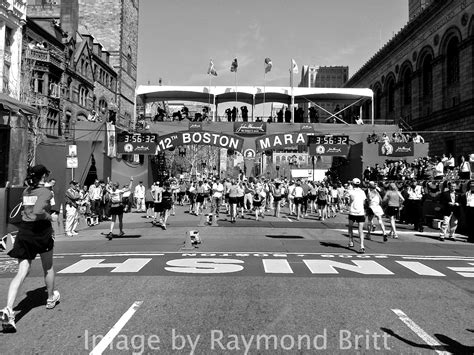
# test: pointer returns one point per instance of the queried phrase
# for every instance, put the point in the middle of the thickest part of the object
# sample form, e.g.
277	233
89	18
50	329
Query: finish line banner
220	140
396	149
277	141
335	150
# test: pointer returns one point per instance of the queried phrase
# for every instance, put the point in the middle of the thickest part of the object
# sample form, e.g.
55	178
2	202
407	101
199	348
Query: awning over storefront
15	106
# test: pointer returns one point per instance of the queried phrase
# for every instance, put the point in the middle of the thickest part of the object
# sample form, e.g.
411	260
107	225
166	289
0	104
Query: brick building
114	24
424	75
13	113
323	77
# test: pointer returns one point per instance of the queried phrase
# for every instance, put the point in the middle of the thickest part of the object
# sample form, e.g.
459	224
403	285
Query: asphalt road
267	287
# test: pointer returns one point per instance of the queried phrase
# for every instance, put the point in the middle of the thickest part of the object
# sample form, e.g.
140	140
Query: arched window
452	61
129	61
427	76
391	95
378	102
129	64
102	106
406	81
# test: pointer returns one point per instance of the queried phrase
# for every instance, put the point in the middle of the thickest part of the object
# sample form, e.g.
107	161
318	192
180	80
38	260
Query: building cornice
394	43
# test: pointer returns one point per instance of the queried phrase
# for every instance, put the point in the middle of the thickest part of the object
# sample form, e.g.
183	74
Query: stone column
438	83
2	53
466	63
415	96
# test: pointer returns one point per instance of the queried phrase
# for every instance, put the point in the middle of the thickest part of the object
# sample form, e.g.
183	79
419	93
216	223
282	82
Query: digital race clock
328	139
136	137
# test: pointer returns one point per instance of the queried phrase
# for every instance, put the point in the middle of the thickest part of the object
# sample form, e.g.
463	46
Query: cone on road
203	221
192	240
214	220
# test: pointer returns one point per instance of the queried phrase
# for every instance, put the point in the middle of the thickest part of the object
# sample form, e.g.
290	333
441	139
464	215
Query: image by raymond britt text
221	341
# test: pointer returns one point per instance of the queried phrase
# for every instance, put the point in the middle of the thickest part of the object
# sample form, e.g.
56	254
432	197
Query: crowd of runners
365	202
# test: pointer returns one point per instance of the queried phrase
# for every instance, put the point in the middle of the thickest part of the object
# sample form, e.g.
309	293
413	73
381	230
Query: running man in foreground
35	236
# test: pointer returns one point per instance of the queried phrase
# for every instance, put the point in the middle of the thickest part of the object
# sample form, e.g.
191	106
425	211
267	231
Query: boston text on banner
220	140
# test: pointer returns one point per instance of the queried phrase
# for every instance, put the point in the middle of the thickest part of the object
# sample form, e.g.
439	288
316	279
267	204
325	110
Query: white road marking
107	339
365	267
121	254
403	256
439	258
419	268
279	266
129	265
428	339
464	271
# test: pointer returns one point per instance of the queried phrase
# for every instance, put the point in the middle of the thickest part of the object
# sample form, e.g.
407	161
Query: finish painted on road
257	264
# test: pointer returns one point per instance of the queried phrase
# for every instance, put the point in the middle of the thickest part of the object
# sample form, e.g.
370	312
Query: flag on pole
294	66
268	65
234	66
211	70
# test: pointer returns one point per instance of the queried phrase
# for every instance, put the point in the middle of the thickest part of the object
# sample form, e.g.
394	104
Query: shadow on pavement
33	299
448	344
335	245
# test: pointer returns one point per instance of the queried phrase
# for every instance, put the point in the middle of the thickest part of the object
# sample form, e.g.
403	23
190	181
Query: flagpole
292	97
235	73
209	99
264	89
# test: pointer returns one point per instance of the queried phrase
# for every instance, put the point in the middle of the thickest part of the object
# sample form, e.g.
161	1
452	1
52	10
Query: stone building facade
13	114
114	24
423	77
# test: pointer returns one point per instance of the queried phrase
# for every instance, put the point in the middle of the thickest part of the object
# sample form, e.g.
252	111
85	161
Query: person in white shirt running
357	200
374	210
139	195
298	198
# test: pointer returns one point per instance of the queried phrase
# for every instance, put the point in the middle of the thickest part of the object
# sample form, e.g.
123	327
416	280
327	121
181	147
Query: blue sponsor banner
335	150
392	149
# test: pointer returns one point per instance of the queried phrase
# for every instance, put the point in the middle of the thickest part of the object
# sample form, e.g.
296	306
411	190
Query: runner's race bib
29	200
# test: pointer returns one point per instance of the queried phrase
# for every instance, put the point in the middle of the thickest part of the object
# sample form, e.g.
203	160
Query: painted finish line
259	264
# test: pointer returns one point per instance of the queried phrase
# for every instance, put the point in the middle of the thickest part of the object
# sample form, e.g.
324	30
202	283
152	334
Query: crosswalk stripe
107	339
428	339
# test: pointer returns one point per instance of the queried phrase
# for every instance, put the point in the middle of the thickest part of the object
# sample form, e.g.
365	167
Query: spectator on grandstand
245	113
228	112
373	138
313	115
417	138
450	163
287	115
439	169
464	169
280	116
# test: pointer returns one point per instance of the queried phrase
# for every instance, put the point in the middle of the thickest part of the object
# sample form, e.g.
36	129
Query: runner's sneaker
8	320
121	234
52	302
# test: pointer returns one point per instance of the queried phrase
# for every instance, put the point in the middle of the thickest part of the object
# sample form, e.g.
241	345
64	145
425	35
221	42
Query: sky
177	38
